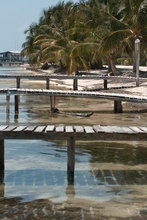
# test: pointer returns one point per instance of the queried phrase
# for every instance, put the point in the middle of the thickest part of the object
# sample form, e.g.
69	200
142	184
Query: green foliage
78	35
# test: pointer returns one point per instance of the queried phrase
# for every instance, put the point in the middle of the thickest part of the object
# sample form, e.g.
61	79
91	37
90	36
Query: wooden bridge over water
71	134
47	78
116	97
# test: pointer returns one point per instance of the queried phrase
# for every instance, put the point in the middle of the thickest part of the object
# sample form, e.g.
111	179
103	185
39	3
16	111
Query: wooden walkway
71	134
117	98
47	78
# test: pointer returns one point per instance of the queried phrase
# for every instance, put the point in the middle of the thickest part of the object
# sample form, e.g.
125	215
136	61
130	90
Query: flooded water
110	177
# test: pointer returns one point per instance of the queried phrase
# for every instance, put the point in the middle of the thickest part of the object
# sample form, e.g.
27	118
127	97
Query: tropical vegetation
85	34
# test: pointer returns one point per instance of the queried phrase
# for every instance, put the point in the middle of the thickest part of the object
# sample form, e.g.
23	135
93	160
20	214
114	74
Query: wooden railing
75	78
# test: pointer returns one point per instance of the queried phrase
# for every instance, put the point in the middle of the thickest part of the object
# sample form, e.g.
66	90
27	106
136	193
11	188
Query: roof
14	52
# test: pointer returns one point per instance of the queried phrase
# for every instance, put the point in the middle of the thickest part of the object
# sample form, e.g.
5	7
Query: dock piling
105	84
2	155
47	83
118	106
70	160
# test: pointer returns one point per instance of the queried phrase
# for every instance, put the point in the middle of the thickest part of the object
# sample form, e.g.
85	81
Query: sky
15	17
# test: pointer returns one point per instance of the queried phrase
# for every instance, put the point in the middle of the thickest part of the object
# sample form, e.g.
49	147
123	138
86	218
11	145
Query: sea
110	176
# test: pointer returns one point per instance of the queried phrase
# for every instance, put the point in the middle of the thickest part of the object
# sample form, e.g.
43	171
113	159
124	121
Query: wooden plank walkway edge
116	97
64	132
71	134
75	78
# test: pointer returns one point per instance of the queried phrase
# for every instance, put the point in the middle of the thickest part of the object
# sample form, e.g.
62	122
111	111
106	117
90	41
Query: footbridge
75	78
70	133
116	97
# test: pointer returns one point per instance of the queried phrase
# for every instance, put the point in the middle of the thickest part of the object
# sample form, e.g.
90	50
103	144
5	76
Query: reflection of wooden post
2	185
70	192
70	160
137	59
2	155
75	84
117	106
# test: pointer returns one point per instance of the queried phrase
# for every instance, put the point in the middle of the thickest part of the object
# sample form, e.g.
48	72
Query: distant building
11	57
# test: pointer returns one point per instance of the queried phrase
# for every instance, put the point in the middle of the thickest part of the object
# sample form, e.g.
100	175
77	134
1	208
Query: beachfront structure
11	57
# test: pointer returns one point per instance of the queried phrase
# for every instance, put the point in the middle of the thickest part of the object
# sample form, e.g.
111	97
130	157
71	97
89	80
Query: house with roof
11	57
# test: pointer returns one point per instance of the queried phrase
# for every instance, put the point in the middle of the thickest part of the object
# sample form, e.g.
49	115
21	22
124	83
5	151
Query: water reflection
2	183
110	178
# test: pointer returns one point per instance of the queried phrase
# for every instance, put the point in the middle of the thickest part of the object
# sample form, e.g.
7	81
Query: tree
129	24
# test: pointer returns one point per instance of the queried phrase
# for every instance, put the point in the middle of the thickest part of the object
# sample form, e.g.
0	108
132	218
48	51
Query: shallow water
110	177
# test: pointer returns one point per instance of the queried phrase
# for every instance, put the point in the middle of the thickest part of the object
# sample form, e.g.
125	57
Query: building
11	57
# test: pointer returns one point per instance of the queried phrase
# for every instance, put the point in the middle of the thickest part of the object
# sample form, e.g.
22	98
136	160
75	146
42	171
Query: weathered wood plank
30	128
144	129
69	129
2	127
98	129
10	128
89	129
116	129
20	128
79	129
136	129
128	130
59	128
39	129
107	129
50	128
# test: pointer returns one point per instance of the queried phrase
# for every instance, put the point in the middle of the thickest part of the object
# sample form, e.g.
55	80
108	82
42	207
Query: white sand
83	84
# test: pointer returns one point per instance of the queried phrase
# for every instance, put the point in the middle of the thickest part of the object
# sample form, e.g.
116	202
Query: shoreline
129	87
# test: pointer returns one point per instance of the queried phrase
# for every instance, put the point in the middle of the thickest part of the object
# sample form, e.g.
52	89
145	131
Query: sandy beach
121	85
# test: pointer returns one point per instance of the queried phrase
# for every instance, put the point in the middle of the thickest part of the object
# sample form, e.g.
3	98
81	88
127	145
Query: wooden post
105	83
75	84
18	82
117	106
2	185
7	103
16	97
2	155
2	167
137	59
16	101
47	83
52	103
70	160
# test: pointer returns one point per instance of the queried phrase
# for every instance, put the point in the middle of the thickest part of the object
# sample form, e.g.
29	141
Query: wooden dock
71	134
116	97
75	78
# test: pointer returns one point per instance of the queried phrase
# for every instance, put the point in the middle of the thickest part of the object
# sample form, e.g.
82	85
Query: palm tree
57	37
129	24
29	48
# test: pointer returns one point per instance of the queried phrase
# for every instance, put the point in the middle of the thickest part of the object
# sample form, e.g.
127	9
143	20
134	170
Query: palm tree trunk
114	70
